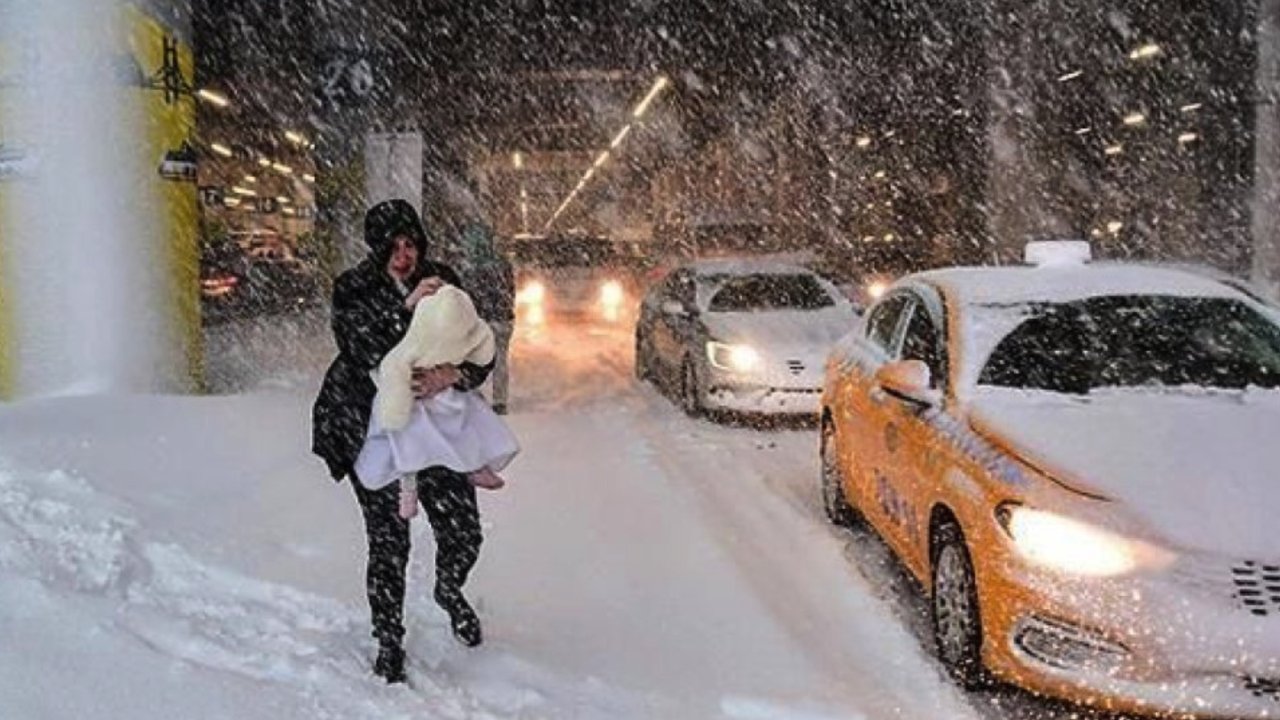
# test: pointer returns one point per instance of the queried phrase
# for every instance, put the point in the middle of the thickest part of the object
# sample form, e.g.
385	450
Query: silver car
741	336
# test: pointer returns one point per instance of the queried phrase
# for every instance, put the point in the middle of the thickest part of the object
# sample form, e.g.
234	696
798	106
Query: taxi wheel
957	625
690	395
834	501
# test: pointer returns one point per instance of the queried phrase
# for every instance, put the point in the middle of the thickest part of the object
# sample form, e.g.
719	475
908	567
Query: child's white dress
454	429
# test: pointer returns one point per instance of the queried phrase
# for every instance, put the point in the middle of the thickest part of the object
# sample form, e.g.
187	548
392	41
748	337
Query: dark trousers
450	501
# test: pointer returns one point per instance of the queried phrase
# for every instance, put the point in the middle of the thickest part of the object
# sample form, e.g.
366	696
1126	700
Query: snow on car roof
1023	284
746	266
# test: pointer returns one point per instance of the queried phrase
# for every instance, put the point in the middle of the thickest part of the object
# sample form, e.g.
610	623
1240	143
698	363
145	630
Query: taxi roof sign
1057	253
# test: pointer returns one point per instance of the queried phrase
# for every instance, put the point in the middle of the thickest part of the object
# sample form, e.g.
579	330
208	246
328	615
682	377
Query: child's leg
487	479
408	496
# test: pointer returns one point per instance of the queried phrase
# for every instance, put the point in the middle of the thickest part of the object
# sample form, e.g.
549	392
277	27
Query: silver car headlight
1072	546
733	357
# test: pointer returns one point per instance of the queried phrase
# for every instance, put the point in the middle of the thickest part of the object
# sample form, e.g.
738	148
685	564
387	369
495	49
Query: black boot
465	623
390	663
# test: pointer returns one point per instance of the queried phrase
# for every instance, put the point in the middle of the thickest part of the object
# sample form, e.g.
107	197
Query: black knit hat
387	220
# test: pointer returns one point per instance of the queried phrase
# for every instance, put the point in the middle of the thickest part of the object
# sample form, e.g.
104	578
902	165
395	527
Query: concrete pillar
98	284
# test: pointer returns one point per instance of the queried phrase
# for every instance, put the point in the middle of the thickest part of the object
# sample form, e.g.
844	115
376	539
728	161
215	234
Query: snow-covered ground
187	558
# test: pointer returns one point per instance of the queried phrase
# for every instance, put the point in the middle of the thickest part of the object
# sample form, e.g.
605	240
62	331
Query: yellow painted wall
168	126
7	336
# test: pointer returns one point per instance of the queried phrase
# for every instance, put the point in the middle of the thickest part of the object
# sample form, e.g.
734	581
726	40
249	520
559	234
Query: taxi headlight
1062	543
533	293
738	358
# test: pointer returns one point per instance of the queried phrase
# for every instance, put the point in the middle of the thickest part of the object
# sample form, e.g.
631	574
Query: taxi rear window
1137	341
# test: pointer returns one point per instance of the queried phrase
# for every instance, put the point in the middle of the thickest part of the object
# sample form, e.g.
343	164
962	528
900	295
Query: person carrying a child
373	306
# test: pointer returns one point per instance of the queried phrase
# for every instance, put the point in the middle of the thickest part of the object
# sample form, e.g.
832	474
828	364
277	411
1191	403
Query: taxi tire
951	555
839	512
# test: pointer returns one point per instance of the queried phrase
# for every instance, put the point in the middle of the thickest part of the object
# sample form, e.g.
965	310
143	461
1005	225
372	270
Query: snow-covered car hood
1200	468
809	333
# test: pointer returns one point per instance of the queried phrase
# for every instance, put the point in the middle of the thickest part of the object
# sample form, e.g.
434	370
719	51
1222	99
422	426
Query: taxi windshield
1137	341
757	293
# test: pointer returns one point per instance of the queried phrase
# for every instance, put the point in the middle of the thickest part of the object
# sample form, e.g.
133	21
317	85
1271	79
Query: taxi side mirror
909	381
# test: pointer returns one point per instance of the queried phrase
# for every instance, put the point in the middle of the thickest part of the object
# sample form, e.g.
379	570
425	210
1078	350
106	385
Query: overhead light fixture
601	160
864	141
622	134
1084	131
290	211
264	162
880	175
243	191
282	200
517	160
1187	137
658	86
251	179
1113	149
868	238
1135	119
214	98
295	138
1191	108
1145	52
890	133
221	149
1070	76
309	177
231	201
888	237
1115	226
282	169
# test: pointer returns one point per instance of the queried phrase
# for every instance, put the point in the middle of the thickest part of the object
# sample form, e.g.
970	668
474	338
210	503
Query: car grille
1263	688
1257	587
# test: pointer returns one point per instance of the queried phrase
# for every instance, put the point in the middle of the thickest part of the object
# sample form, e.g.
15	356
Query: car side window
883	323
923	342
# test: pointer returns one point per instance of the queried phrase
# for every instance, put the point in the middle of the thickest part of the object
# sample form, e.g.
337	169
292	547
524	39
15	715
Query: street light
622	134
658	87
1135	119
1145	52
212	97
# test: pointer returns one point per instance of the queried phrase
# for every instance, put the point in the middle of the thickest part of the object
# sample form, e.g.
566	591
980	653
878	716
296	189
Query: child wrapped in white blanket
454	429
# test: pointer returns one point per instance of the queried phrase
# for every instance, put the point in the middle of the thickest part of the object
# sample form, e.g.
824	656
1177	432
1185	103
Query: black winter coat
369	318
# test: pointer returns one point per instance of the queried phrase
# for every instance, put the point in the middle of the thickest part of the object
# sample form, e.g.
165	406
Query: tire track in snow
800	570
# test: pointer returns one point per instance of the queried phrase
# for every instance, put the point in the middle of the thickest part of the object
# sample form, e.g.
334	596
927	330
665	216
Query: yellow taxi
1078	462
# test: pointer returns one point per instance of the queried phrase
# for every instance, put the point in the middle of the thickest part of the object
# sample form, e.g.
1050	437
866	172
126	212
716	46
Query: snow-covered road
185	557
